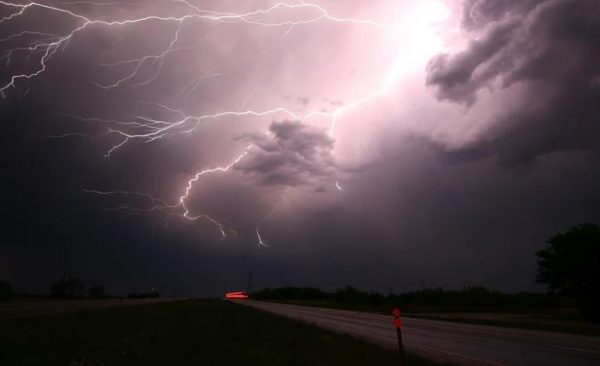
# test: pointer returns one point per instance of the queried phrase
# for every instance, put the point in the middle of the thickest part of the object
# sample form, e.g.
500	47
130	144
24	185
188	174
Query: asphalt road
21	309
466	344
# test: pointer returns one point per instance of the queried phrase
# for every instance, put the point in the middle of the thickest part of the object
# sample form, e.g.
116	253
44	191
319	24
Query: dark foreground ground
193	332
47	306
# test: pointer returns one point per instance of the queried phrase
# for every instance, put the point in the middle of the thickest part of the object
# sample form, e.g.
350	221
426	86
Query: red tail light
236	295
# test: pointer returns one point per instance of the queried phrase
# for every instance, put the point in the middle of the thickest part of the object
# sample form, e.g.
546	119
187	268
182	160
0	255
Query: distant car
239	295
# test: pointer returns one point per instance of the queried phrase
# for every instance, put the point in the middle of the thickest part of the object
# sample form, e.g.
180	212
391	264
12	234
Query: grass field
531	321
194	332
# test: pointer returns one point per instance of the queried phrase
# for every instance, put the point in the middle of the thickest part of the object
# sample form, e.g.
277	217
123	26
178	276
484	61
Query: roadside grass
552	320
193	332
528	321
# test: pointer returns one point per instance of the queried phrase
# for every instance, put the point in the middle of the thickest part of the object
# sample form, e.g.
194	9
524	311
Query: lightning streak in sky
260	240
183	198
49	47
142	128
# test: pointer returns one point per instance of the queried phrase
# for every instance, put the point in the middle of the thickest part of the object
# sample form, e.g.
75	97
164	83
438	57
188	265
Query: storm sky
387	145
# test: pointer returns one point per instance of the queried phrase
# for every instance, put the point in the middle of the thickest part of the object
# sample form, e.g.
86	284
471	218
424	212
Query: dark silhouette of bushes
475	298
7	291
144	295
97	292
290	293
68	288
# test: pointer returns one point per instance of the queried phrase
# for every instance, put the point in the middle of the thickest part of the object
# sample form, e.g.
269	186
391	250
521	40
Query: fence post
398	326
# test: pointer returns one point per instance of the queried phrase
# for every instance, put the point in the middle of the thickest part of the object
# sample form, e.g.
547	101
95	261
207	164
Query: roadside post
398	326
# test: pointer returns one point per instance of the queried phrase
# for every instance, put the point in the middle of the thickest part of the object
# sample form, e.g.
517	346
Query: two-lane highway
465	344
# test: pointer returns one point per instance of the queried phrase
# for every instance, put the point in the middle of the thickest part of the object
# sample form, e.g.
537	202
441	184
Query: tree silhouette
571	266
97	292
68	287
7	292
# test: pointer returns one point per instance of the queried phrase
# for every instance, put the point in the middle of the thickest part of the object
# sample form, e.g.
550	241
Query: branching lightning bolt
182	198
49	47
146	129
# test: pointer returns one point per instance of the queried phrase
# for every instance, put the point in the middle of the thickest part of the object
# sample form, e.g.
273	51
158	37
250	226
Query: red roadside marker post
398	326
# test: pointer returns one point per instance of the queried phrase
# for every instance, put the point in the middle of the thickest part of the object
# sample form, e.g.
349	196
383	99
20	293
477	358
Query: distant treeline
69	288
470	298
7	291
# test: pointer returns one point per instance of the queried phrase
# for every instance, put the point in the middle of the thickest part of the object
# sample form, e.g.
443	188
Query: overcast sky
382	144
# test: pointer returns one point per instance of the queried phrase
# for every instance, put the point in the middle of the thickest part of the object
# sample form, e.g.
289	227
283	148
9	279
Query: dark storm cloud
292	154
479	13
552	49
408	214
50	224
458	77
